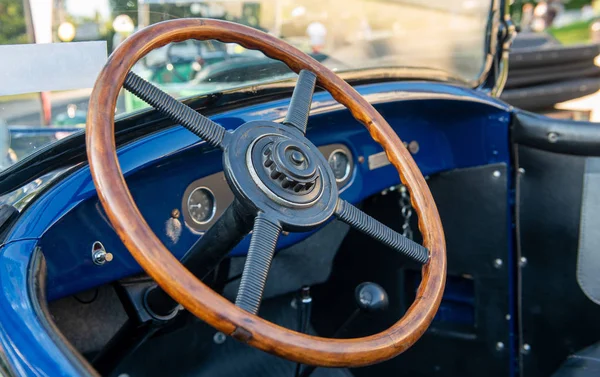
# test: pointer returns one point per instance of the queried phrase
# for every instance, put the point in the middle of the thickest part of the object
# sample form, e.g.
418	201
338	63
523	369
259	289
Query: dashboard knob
371	297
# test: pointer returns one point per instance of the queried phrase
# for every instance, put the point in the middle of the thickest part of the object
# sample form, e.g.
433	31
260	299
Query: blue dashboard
450	127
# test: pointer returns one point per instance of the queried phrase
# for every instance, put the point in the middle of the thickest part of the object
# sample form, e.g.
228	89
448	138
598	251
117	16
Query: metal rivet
413	147
175	213
99	254
498	263
497	174
521	171
219	338
523	262
361	159
507	317
552	137
525	349
499	346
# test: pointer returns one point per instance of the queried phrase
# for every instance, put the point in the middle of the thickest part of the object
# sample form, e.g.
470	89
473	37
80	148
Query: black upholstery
556	317
570	137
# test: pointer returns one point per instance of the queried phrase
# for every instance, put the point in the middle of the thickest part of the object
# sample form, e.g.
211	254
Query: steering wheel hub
284	175
290	165
285	169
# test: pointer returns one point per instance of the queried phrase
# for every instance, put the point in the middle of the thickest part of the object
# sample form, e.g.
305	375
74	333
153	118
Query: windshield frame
489	81
498	11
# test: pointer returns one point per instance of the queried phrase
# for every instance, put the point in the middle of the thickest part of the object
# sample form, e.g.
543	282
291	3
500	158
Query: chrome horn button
289	162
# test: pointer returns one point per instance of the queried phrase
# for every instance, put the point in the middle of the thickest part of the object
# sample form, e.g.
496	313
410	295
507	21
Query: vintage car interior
393	223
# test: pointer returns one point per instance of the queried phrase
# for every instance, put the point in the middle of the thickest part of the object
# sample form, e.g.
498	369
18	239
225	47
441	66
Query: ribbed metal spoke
205	128
297	115
368	225
260	254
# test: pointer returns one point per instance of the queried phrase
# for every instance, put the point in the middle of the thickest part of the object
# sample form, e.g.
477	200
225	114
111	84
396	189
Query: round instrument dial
201	205
340	164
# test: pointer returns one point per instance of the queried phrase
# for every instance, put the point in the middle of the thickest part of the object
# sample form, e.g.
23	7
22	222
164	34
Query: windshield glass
49	102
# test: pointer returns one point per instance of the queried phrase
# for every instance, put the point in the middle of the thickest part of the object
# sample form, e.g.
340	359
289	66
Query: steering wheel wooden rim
194	295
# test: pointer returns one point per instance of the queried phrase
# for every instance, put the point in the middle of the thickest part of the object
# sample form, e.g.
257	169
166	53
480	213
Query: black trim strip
556	135
554	55
545	96
6	369
546	74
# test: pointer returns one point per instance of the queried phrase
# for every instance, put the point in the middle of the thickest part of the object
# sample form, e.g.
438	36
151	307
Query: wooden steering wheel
280	179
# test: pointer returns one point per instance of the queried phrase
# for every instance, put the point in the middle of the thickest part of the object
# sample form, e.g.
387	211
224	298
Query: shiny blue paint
455	128
27	345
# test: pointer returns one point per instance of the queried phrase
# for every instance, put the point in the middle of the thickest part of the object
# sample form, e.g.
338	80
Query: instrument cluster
205	199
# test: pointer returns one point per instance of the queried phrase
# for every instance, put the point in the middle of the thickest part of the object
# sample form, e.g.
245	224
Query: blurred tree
516	8
576	4
13	29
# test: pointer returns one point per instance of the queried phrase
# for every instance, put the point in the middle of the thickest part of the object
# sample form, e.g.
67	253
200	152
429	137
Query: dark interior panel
471	331
557	319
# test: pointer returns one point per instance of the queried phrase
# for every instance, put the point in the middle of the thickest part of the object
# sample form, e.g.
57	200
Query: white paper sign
32	68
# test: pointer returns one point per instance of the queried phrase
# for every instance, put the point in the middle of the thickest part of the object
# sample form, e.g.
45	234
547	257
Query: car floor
192	351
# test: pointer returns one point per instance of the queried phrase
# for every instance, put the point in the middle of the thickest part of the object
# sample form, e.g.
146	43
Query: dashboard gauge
201	205
340	164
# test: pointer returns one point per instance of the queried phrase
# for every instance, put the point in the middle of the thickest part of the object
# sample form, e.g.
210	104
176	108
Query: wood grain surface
178	282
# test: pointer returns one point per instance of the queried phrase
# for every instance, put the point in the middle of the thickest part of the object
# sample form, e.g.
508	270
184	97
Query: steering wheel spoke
368	225
260	254
200	125
297	115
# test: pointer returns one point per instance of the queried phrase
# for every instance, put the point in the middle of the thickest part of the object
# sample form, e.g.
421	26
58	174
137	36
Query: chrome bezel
348	165
213	209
